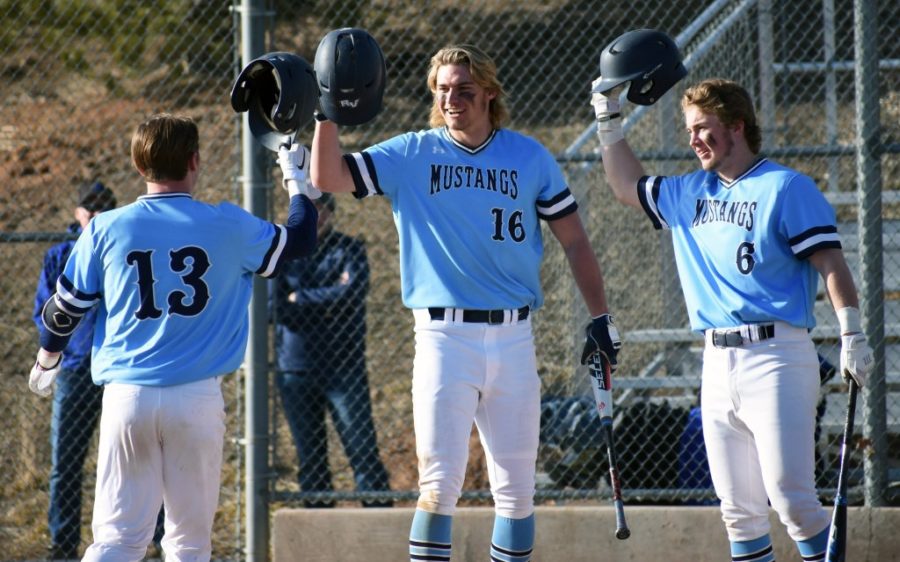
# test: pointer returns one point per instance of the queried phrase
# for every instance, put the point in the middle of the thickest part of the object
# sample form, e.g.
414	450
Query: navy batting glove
601	336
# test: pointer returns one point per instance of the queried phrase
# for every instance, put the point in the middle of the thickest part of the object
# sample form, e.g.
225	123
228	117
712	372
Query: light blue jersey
741	247
467	218
163	270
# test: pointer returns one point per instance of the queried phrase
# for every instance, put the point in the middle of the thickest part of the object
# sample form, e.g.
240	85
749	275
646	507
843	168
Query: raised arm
328	171
302	215
623	169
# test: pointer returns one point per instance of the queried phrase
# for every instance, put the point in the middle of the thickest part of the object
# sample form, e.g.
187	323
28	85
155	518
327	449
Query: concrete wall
674	534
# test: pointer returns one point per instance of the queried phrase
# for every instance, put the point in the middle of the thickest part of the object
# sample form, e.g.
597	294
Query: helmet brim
607	84
268	137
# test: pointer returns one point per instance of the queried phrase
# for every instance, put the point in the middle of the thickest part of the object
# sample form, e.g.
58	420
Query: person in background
319	303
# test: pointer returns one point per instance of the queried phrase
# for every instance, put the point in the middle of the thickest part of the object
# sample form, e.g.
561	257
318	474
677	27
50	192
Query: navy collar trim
749	171
465	148
153	196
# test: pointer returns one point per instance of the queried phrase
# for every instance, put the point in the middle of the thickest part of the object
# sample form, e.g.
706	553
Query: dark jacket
324	329
77	354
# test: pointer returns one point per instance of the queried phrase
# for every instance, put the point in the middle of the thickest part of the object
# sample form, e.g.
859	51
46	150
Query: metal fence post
256	190
766	73
868	173
674	317
831	116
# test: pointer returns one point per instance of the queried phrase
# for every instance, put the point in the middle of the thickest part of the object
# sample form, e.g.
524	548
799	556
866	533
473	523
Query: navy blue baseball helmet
647	59
279	91
351	75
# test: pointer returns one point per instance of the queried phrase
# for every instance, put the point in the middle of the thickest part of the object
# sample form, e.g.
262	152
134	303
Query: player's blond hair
728	101
484	73
163	145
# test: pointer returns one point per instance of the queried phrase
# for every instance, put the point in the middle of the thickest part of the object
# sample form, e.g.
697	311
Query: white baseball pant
158	445
758	405
486	373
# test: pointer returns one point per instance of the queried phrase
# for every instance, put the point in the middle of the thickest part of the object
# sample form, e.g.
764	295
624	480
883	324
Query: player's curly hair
483	71
163	145
728	101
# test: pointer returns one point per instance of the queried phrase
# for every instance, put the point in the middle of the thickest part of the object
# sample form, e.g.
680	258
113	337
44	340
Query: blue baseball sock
513	539
429	536
813	550
756	550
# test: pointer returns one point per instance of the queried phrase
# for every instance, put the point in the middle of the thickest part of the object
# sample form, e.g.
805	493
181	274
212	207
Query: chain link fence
79	75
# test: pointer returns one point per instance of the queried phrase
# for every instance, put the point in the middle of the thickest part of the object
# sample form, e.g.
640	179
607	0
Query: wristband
848	318
609	130
293	187
319	116
43	357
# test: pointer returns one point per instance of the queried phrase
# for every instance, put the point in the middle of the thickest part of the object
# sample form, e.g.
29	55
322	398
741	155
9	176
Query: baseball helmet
351	76
647	58
279	92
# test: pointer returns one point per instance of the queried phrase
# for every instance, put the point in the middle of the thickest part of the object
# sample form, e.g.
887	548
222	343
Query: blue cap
96	197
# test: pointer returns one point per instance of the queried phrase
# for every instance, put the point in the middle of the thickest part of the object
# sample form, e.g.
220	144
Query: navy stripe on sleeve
648	194
362	169
267	267
812	240
296	238
72	300
559	206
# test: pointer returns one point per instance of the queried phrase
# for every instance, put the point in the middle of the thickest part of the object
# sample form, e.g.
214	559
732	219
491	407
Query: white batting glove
608	115
856	355
294	163
43	374
856	359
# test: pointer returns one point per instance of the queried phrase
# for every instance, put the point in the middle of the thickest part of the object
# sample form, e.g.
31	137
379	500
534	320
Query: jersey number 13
189	263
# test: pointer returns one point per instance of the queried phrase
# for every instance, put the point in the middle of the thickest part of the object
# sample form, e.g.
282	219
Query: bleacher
655	383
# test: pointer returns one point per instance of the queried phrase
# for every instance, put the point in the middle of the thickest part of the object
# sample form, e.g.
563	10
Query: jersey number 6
191	275
745	261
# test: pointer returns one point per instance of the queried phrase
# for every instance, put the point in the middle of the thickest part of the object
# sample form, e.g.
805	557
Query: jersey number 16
513	225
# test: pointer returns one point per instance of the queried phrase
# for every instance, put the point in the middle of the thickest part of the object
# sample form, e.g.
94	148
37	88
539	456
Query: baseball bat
601	384
836	551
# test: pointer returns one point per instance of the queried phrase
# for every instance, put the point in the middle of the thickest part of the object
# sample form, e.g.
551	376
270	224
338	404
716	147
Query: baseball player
76	400
170	279
468	196
749	237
